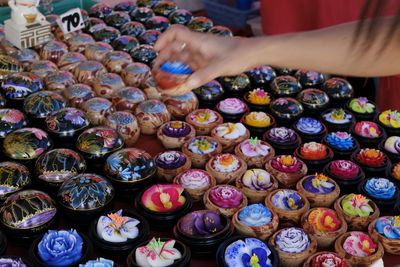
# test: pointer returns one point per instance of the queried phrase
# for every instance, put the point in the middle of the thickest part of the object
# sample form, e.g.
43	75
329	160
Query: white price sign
71	21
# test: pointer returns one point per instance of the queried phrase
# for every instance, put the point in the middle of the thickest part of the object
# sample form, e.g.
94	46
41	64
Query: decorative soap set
132	171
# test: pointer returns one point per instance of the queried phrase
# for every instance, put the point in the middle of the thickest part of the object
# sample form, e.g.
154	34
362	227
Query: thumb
204	75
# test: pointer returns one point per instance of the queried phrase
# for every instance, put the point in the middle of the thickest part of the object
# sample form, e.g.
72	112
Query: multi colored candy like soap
371	157
257	119
292	240
328	259
202	145
163	198
201	223
203	116
359	244
287	200
157	253
226	163
356	205
362	105
253	147
286	164
308	125
60	247
318	184
170	160
344	169
313	151
324	220
117	228
255	215
392	144
231	130
195	179
367	129
380	188
340	140
257	179
258	97
247	252
281	135
232	106
389	227
226	197
172	74
390	118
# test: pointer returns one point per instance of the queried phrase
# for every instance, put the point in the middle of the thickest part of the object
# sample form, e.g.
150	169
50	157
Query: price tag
71	21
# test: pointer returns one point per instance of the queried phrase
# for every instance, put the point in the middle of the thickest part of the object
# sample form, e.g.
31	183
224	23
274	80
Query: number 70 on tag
71	21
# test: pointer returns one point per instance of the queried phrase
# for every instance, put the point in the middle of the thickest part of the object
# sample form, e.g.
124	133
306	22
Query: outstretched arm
329	50
332	50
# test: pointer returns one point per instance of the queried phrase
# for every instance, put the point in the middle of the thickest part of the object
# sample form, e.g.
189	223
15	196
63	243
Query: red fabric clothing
284	16
388	96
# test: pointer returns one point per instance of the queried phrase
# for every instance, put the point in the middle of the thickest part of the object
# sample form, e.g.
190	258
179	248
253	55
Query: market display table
152	145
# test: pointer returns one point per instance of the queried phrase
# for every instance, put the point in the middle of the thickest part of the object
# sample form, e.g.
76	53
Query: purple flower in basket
201	223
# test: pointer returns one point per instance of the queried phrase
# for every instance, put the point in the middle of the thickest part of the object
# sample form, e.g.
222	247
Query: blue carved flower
258	257
251	252
380	188
100	262
340	140
309	125
255	215
60	248
287	200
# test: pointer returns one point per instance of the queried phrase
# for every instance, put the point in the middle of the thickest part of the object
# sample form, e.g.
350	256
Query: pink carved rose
226	197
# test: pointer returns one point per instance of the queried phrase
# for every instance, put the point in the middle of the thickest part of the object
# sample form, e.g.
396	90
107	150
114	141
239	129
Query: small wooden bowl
308	262
180	106
261	232
227	212
255	162
256	196
228	145
286	180
319	200
174	142
289	217
354	260
200	160
149	122
391	246
169	175
356	223
293	259
324	239
151	90
226	177
203	129
196	194
129	131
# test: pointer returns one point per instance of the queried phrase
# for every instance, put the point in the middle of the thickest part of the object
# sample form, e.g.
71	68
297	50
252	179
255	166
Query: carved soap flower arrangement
163	198
115	227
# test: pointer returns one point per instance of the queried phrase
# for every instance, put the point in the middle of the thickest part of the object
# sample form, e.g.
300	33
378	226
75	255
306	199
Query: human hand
208	55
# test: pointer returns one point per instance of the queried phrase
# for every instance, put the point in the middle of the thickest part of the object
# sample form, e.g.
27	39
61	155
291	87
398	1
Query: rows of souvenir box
273	167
